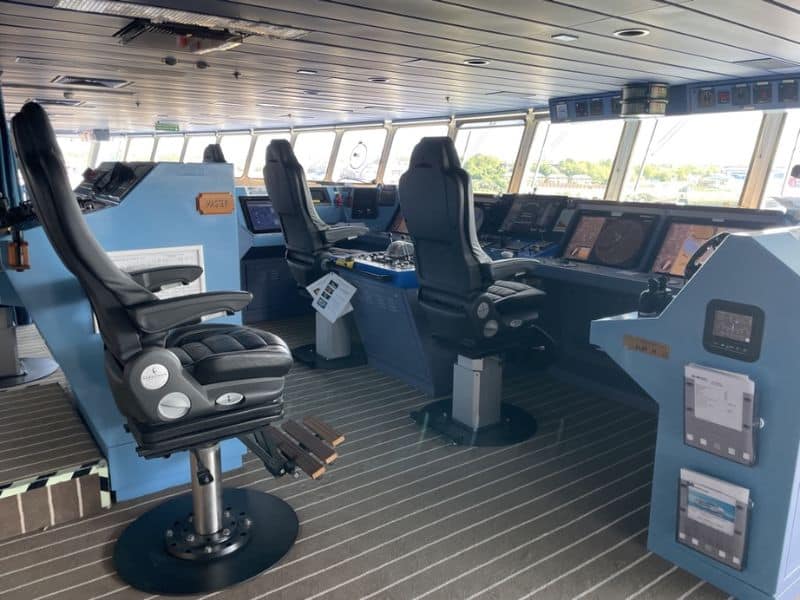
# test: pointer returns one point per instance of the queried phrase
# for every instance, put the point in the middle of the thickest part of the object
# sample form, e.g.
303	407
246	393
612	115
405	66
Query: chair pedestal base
516	425
333	348
476	415
143	561
14	370
31	369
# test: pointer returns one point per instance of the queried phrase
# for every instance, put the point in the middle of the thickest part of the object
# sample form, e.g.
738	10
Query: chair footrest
296	445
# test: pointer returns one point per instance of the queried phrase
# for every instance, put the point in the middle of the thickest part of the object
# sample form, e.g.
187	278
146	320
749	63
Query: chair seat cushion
217	352
512	298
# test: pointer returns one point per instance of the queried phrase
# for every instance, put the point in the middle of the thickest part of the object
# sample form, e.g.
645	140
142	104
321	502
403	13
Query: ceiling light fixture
306	72
564	37
631	32
378	79
476	62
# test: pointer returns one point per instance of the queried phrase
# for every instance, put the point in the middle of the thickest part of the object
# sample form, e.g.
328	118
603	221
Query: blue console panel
159	212
760	273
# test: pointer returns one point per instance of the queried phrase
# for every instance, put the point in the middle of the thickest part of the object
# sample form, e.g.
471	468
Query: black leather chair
213	154
182	385
474	305
308	238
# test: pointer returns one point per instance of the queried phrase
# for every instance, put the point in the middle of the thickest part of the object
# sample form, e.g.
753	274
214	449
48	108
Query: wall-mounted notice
712	517
719	413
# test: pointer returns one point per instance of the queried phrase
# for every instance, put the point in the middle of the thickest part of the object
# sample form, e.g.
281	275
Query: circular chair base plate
33	368
309	357
142	560
516	425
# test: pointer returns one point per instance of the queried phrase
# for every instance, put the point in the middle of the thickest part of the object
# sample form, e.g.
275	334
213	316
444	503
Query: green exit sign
167	126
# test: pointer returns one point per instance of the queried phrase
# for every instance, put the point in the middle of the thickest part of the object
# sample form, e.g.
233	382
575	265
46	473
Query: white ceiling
419	45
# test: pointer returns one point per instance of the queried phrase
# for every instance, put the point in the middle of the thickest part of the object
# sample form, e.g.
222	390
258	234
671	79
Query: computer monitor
532	214
398	224
682	241
319	195
365	203
610	240
260	215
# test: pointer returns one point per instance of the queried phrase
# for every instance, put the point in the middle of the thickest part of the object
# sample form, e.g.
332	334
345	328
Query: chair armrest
163	315
157	278
337	233
511	267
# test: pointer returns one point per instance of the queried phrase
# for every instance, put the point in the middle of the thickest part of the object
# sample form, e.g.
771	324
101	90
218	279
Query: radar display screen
365	203
681	242
533	214
260	215
612	241
398	224
319	196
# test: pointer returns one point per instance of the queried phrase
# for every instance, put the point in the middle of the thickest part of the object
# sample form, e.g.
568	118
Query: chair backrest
436	200
213	154
109	289
288	189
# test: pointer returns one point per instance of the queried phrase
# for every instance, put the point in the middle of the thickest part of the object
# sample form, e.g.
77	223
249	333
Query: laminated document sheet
720	413
331	296
713	516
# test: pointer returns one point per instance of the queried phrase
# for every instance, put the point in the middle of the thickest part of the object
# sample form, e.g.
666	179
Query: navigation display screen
612	241
532	214
732	326
260	215
681	242
399	224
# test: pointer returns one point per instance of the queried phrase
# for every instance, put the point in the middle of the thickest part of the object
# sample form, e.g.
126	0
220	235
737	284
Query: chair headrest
32	125
280	151
213	154
435	152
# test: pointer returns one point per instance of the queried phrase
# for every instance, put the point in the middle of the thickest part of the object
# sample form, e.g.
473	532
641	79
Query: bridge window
699	159
259	158
140	149
574	159
313	151
781	185
488	151
359	154
195	145
236	147
76	156
111	150
168	148
405	138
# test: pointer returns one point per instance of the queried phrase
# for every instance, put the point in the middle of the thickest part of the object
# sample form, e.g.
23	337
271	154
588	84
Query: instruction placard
720	413
713	517
331	296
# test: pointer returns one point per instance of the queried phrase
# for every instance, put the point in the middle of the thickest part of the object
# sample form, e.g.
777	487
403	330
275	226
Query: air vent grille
57	101
93	82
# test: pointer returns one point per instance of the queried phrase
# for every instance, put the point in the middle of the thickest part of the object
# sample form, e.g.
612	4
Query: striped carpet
403	514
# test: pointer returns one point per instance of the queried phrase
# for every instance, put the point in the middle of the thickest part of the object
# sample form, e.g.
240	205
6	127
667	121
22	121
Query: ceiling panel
419	45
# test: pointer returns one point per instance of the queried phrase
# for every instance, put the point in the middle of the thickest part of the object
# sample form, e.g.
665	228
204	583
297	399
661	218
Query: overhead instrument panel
681	242
610	240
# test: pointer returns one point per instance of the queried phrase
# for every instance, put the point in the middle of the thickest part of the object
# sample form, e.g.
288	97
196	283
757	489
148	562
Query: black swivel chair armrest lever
156	278
511	267
163	315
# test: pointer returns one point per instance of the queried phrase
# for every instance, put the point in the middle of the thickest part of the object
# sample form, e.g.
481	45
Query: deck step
51	471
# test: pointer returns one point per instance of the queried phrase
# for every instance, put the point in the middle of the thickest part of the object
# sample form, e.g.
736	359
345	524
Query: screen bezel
245	201
745	351
733	223
368	210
